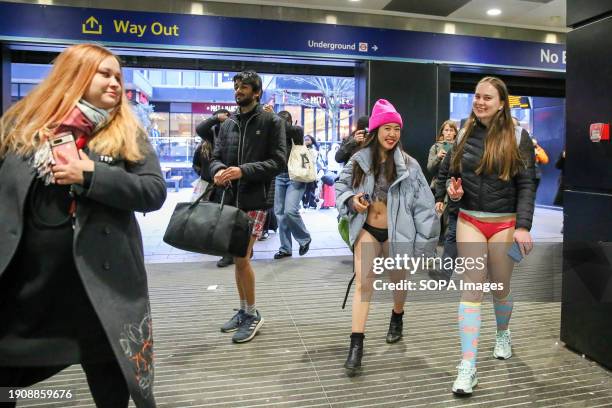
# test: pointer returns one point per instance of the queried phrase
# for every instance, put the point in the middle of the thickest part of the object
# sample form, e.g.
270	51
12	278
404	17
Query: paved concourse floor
296	359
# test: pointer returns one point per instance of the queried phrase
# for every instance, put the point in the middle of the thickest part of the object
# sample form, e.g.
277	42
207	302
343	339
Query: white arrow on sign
375	47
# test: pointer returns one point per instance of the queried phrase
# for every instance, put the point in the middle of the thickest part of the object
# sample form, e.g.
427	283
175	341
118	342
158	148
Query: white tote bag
301	165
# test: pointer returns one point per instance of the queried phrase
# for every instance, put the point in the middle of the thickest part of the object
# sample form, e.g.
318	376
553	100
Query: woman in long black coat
73	287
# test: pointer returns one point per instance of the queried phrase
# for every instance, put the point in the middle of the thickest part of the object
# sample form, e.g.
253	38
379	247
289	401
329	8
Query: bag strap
207	191
348	288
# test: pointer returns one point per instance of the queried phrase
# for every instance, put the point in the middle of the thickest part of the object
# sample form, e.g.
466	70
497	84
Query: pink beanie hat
383	113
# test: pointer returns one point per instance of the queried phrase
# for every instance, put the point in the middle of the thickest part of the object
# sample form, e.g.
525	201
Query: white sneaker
503	345
466	378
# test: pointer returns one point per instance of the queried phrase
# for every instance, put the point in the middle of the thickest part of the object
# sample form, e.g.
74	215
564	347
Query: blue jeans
287	197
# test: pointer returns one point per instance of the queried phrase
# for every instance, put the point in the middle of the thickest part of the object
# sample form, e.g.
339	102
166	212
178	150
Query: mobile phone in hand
515	252
64	143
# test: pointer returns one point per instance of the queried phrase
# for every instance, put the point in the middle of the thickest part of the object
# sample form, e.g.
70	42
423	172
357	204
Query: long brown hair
373	144
501	154
53	99
450	123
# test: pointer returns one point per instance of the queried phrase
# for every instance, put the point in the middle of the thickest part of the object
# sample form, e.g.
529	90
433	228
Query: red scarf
79	125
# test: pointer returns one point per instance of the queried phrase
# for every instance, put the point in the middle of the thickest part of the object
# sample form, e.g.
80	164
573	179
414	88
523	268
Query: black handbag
209	228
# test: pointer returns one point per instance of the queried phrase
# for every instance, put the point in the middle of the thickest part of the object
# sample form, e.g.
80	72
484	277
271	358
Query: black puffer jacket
348	147
487	192
259	149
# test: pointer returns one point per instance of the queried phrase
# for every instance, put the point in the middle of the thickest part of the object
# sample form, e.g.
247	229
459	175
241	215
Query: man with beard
249	152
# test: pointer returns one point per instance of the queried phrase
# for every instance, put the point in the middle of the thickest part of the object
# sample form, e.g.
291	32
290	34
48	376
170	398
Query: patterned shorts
259	219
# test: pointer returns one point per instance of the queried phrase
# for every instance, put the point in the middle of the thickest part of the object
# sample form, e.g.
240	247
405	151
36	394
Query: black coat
107	250
259	150
487	192
347	148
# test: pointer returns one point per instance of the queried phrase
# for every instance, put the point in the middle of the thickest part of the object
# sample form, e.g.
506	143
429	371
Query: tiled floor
296	360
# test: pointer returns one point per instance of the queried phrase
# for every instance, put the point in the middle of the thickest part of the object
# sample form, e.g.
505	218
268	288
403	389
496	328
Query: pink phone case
64	143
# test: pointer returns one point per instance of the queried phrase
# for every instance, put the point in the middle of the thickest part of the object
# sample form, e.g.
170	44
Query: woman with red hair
73	287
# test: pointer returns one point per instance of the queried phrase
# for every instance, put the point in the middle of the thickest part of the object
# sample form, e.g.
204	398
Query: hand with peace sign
454	190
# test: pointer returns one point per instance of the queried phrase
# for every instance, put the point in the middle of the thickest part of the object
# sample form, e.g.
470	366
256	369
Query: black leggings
106	382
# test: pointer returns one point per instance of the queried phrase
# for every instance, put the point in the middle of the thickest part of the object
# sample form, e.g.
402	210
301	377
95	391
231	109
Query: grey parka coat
412	221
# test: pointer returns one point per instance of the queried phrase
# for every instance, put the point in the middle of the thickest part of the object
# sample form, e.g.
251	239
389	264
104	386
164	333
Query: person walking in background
73	285
328	193
207	130
446	209
384	194
288	194
352	143
332	164
310	199
491	176
250	150
437	152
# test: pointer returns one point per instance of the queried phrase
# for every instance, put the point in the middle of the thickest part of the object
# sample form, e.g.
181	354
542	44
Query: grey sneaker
248	328
466	379
503	345
233	323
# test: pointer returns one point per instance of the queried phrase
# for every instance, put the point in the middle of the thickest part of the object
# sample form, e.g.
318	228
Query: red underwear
488	229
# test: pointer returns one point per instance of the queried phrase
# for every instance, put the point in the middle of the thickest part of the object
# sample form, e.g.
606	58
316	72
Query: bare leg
500	264
396	276
471	243
366	249
245	277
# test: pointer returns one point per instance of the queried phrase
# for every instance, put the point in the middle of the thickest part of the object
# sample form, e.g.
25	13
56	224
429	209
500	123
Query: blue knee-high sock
469	330
503	311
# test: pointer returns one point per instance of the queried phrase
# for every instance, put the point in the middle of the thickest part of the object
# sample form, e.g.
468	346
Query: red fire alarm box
599	132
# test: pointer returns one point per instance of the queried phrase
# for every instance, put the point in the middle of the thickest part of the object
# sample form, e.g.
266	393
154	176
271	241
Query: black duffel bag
209	228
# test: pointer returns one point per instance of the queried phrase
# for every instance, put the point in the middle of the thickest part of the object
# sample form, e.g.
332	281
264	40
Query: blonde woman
73	287
491	172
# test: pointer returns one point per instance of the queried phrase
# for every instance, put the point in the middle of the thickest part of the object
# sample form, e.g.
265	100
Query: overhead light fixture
354	1
494	12
551	38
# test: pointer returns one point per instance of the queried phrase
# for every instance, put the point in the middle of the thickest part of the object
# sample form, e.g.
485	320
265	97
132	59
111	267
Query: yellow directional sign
92	26
519	102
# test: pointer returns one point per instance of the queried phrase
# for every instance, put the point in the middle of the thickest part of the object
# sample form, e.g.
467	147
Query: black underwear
380	234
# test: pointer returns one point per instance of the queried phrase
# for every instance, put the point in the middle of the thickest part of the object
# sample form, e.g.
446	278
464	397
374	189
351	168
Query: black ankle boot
353	361
395	327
